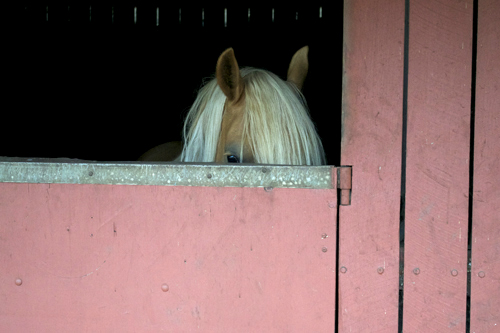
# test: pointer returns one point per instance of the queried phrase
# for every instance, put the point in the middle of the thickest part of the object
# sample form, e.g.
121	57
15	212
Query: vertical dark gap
337	262
339	156
403	167
471	159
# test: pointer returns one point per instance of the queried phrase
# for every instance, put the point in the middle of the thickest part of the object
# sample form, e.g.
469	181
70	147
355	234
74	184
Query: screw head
19	282
343	269
324	235
380	270
209	176
268	189
454	272
91	173
416	271
481	274
324	249
164	287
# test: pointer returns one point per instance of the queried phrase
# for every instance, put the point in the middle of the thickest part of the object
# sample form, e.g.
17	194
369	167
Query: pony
248	115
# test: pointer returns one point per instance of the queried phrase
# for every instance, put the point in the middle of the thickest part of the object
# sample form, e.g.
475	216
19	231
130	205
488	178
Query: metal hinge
344	184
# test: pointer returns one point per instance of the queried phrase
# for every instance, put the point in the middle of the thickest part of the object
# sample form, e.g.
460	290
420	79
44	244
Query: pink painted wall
437	166
95	258
485	270
437	169
371	143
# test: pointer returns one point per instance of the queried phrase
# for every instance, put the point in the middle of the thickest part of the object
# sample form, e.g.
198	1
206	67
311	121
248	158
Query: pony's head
252	116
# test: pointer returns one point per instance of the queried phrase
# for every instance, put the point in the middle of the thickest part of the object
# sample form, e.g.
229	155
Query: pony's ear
299	66
228	76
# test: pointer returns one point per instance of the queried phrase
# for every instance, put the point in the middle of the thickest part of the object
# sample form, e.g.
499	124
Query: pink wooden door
371	143
91	257
407	134
254	248
437	166
485	249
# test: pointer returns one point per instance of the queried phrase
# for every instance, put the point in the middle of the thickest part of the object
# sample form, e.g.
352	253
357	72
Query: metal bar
67	171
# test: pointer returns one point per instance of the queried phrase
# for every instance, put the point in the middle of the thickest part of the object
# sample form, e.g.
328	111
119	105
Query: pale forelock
276	122
203	123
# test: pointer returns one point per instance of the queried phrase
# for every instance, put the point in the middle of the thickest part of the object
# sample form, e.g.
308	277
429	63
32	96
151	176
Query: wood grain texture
234	259
437	176
485	270
371	143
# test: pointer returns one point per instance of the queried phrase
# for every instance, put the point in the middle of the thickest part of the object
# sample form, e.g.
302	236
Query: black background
102	87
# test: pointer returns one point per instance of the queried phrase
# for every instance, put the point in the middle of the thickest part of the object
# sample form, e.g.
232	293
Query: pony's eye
233	159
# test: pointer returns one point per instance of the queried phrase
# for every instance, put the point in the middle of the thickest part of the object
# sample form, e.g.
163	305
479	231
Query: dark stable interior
107	83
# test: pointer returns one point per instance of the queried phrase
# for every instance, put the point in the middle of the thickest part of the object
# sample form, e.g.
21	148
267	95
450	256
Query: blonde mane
276	122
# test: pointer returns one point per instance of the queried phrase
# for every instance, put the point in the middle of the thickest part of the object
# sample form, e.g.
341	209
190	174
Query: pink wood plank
437	176
485	274
234	259
371	143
